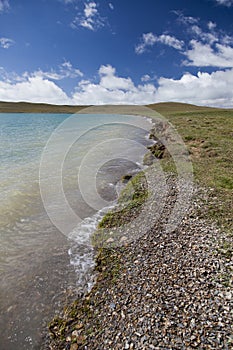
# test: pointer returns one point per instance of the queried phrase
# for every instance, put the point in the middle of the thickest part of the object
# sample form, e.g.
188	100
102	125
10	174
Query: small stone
79	326
112	305
138	334
80	339
75	334
74	347
126	345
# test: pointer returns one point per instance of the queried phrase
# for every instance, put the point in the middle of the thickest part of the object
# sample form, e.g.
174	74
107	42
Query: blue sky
117	51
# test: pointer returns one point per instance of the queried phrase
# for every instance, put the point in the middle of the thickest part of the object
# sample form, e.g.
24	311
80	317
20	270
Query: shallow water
40	265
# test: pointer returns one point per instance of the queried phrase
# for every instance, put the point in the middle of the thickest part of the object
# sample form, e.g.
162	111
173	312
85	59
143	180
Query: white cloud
227	3
196	30
187	20
227	39
145	78
109	81
203	55
90	19
38	86
5	43
107	70
90	9
206	48
149	39
111	6
113	89
171	41
4	5
204	89
65	70
35	89
10	77
210	37
211	25
68	1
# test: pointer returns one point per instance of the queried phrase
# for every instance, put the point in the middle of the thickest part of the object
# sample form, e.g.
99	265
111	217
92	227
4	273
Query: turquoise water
42	262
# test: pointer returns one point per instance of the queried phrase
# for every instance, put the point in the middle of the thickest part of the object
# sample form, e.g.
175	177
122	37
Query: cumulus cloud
145	77
149	39
202	89
113	89
90	19
5	43
111	6
38	86
4	5
227	3
203	55
212	89
35	89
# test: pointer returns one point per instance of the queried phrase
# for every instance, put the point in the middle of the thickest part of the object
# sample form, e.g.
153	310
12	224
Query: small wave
81	252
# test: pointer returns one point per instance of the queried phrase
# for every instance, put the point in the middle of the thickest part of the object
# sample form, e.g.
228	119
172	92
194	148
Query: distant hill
25	107
177	107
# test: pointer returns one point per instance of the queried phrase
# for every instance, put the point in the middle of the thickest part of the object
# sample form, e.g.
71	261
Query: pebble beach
160	291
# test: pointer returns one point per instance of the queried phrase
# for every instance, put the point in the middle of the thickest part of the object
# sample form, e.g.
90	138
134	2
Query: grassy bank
208	134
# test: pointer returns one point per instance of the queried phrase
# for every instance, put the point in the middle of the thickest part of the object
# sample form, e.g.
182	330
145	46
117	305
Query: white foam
81	252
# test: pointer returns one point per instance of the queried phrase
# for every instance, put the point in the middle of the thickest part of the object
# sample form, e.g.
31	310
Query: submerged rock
126	178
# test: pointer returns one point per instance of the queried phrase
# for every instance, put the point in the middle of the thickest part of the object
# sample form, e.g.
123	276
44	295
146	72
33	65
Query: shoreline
29	107
127	308
132	306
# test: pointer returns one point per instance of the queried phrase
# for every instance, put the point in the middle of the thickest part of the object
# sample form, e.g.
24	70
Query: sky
82	52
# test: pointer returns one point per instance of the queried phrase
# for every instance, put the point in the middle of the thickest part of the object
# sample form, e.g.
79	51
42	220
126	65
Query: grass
132	197
208	134
25	107
129	205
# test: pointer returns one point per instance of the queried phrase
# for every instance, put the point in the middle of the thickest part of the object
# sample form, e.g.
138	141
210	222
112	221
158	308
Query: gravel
161	291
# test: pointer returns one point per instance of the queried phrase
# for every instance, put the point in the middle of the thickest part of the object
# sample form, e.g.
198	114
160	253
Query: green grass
208	134
130	202
131	199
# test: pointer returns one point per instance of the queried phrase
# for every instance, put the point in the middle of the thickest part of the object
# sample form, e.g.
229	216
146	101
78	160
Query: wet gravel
164	290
